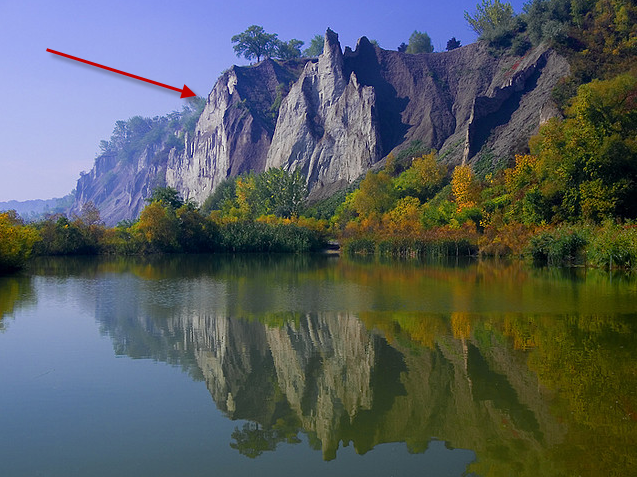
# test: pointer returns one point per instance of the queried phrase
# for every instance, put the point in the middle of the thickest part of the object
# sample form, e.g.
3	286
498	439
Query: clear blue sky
55	111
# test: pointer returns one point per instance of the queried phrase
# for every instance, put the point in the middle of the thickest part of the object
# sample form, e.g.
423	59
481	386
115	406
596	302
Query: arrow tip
186	92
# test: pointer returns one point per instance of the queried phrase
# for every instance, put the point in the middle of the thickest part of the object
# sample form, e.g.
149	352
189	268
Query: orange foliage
501	239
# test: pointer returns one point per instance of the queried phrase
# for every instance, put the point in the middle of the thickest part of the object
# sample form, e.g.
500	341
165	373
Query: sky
54	111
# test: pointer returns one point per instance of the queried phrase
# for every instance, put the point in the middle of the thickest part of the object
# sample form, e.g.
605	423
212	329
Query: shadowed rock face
336	116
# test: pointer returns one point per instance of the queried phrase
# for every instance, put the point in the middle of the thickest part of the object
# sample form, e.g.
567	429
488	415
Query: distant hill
31	210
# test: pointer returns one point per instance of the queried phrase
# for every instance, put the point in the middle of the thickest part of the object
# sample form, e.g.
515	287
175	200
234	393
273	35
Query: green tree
316	46
423	179
159	227
167	196
222	198
419	42
490	16
592	153
289	50
196	234
547	19
280	192
453	44
252	440
254	43
376	194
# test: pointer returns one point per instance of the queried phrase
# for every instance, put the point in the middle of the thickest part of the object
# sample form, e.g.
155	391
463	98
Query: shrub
245	236
16	241
363	246
614	246
559	247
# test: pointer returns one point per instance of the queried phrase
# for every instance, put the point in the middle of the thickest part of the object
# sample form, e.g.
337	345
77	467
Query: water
289	365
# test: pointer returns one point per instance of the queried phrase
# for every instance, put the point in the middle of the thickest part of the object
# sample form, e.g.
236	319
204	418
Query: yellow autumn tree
464	186
159	226
245	199
404	218
16	241
423	179
375	194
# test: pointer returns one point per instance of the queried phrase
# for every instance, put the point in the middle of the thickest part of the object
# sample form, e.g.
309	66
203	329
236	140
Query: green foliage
166	196
326	208
275	191
195	233
60	236
423	179
316	46
280	192
440	210
130	138
255	43
419	42
248	236
190	114
222	198
252	440
376	194
558	247
593	151
16	241
491	18
452	44
288	50
547	20
614	246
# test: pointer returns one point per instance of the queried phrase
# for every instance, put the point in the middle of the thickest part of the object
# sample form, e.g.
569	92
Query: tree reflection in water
533	370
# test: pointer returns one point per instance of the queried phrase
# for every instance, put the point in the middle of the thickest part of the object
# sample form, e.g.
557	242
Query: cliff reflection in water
297	345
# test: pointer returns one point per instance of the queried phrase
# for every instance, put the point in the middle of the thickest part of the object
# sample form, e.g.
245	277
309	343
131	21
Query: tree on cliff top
255	43
490	16
316	46
419	42
288	50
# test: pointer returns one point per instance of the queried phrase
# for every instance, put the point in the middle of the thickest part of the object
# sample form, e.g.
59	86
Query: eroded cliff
337	116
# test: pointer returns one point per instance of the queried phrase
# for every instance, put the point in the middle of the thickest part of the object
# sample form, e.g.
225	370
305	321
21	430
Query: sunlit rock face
235	129
328	125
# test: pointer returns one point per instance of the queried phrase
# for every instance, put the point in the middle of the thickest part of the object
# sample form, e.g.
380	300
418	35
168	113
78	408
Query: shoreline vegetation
569	198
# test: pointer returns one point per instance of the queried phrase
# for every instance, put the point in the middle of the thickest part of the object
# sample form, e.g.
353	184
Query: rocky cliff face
328	125
118	188
336	116
234	131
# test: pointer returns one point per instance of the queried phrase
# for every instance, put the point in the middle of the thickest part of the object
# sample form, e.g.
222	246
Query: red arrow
185	91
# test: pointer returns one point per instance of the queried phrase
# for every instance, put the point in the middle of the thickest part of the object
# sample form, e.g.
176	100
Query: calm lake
316	366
